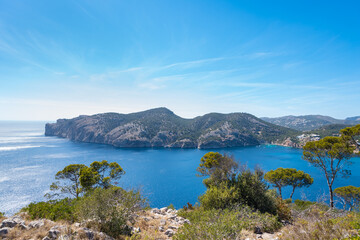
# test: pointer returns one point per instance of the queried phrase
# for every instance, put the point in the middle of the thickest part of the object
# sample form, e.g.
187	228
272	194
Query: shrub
171	206
224	224
219	197
246	188
110	209
351	220
54	210
302	204
283	210
188	206
253	190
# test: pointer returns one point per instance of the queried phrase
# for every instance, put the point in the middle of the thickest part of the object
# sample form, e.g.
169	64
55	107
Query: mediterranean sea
29	162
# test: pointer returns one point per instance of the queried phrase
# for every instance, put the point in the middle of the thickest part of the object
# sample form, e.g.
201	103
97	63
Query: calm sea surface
29	161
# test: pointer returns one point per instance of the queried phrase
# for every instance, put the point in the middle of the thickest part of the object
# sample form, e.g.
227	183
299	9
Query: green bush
302	204
283	210
224	223
54	210
110	209
351	220
219	197
171	206
246	188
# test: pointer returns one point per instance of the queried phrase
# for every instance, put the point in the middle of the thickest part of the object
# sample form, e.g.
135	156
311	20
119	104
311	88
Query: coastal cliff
160	127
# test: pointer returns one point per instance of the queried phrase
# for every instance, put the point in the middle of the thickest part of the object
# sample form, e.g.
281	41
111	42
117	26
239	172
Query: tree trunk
331	196
292	193
280	192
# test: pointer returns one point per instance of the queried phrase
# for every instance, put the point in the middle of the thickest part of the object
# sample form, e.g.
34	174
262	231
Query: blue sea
29	162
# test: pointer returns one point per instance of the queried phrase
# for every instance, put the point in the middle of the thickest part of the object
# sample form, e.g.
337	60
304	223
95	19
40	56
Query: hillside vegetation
310	122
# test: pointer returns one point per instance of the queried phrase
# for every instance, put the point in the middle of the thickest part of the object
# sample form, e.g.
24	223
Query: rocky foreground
162	128
160	224
18	227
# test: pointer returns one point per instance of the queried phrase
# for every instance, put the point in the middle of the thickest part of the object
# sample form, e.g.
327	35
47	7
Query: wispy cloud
34	49
192	64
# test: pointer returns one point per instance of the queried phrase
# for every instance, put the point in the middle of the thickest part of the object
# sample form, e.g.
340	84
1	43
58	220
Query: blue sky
61	59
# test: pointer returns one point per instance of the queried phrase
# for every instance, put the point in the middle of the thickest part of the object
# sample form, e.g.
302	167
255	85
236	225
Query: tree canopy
278	178
76	179
217	167
101	174
68	181
352	134
298	179
332	156
350	196
283	177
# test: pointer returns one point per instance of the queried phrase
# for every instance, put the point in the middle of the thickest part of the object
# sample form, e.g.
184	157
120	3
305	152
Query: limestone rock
11	222
22	226
36	224
89	233
163	210
135	230
4	231
8	223
169	232
156	210
54	232
187	221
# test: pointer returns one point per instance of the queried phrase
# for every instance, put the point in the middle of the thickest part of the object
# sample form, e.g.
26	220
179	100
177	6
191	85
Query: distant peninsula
160	127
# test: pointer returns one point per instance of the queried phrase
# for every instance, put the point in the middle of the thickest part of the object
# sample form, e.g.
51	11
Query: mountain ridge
309	122
160	127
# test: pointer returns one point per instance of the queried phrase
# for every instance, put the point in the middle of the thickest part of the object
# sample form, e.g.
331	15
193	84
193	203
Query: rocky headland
160	127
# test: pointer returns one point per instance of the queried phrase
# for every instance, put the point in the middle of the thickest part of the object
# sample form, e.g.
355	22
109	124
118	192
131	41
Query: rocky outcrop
162	128
17	227
183	143
226	136
288	142
160	223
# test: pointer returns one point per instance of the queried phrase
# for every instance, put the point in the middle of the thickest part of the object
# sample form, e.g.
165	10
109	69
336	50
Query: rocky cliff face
162	128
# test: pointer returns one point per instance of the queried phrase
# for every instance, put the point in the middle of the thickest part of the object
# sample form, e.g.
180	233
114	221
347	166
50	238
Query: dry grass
149	227
149	224
318	225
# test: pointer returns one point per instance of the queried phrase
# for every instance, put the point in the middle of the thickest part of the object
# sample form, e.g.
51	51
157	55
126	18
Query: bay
29	162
